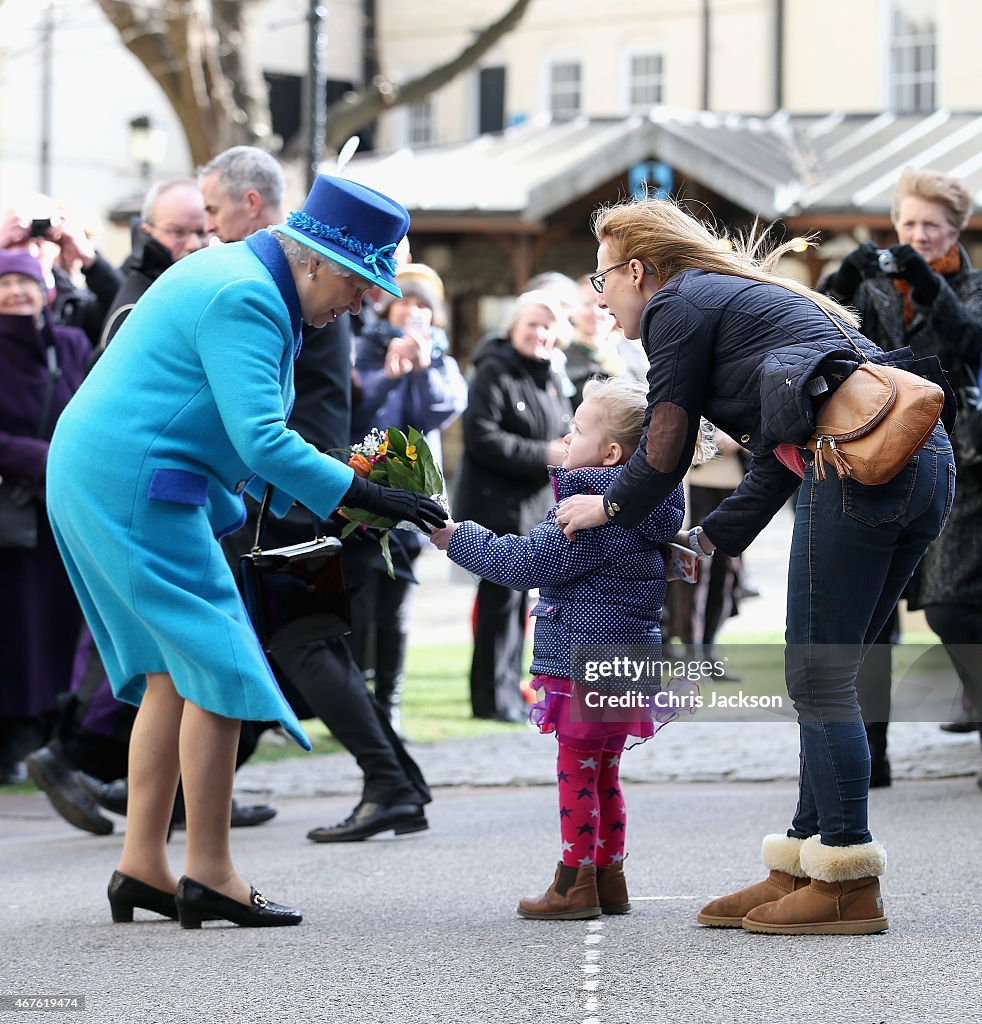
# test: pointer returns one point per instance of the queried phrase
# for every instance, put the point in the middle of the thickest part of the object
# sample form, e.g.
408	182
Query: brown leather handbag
878	418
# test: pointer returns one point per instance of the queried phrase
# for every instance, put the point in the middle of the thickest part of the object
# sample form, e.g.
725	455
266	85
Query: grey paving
423	928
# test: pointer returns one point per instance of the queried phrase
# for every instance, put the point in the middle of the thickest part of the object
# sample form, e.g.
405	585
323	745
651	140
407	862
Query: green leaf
360	517
397	441
431	476
402	476
387	555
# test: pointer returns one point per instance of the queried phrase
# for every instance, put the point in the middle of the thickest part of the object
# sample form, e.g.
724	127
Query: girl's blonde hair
935	187
668	240
623	402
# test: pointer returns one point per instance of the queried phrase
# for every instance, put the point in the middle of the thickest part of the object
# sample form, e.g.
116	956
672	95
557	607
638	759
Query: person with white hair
515	419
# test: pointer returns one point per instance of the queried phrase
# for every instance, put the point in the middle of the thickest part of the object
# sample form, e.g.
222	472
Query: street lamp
147	146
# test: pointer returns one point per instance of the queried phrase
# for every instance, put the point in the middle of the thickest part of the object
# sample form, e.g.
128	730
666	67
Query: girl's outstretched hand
441	536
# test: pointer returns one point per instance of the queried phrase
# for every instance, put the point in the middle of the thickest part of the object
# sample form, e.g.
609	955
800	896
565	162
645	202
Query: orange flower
360	464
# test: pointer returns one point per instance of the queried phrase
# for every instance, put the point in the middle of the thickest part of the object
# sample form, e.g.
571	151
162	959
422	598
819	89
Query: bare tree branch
346	116
205	57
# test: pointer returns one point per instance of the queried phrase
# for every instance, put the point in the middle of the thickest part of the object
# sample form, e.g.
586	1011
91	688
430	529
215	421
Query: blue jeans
853	550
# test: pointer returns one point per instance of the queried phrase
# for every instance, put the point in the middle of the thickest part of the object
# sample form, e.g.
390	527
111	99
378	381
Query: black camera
887	262
40	227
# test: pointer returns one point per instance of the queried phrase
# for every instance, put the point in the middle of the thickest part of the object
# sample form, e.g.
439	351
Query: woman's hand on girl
580	513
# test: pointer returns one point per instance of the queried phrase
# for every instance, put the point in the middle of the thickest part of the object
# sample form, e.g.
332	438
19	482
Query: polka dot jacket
606	587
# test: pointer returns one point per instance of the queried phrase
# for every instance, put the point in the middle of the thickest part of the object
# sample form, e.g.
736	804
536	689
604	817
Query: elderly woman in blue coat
186	411
728	339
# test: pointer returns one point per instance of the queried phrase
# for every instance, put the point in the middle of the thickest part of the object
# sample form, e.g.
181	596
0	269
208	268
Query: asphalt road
423	928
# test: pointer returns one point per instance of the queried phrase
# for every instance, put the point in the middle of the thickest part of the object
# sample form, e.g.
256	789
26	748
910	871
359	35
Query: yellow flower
411	452
383	447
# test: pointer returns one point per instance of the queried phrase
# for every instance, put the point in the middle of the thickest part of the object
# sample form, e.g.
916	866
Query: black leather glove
860	264
912	266
395	504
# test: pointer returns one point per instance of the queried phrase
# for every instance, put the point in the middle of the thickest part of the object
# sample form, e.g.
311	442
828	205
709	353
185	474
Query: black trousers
959	626
328	681
499	645
322	679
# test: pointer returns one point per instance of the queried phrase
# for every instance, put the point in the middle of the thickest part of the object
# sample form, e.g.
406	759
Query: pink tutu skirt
610	729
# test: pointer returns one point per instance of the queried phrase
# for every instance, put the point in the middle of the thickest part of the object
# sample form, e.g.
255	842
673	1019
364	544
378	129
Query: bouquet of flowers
391	458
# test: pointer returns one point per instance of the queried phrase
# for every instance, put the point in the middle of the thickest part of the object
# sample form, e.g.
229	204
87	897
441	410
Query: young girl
606	588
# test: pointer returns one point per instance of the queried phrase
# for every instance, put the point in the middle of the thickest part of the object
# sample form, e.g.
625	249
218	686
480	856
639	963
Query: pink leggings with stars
592	812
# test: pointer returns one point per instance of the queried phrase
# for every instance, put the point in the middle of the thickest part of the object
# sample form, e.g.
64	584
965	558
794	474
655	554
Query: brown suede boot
571	897
781	854
843	897
612	889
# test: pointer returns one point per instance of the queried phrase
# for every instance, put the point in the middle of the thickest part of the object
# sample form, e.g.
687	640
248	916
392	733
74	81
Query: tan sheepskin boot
781	856
843	897
571	897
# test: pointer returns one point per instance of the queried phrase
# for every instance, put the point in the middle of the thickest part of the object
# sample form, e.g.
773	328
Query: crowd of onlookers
61	303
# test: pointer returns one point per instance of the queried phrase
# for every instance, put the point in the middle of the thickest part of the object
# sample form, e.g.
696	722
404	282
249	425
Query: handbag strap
54	372
257	544
843	332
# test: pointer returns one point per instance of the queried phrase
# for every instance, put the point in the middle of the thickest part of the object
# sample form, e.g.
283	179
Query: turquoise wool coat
185	411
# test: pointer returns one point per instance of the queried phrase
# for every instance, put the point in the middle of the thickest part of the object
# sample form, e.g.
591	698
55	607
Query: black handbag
18	502
297	594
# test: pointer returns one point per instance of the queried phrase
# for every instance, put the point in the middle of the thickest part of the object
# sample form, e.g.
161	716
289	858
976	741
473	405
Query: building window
491	100
422	123
913	57
565	89
646	81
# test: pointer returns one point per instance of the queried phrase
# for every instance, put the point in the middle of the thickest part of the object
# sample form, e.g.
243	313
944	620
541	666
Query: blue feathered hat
353	225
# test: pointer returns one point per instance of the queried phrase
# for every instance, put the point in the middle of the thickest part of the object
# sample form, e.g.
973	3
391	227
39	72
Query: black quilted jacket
740	353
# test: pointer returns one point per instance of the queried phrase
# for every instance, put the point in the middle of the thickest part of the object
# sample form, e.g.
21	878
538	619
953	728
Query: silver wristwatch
693	536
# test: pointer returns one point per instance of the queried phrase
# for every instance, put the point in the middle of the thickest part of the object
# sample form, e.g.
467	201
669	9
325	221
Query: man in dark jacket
172	226
243	189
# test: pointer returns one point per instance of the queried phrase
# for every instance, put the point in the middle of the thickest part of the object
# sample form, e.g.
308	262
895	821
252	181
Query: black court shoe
197	903
126	893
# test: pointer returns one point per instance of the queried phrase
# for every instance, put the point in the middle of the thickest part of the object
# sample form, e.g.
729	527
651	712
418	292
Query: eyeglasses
597	280
179	233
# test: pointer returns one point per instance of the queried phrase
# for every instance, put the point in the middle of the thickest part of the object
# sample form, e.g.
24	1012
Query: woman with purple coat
41	366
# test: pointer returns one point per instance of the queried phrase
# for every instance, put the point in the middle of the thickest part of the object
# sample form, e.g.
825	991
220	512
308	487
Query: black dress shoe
197	903
113	796
368	819
125	893
247	815
56	778
962	725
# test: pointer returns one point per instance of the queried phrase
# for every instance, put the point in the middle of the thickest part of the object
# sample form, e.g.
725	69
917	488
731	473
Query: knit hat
18	261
